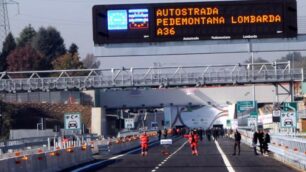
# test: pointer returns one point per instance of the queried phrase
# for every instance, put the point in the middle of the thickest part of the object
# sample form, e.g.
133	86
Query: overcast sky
73	18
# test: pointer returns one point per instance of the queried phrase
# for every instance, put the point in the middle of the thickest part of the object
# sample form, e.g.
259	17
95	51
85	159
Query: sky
73	18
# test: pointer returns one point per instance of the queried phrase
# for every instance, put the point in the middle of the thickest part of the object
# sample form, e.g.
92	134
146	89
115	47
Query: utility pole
4	19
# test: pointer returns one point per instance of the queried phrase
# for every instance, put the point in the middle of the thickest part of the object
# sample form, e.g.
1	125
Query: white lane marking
166	159
225	160
112	158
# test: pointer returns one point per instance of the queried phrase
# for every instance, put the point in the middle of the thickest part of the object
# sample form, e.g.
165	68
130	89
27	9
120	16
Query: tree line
41	50
296	59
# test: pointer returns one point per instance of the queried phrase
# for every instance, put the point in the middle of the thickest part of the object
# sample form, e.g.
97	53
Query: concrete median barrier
36	162
50	161
52	158
4	165
17	164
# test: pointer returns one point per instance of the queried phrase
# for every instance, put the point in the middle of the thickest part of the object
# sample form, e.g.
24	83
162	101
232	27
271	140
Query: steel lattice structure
4	21
148	77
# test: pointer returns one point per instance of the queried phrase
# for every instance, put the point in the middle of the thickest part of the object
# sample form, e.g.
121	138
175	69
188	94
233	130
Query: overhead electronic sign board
157	22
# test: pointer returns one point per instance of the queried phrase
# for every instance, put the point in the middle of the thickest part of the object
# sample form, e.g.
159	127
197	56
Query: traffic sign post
129	123
246	110
289	115
228	123
72	121
252	123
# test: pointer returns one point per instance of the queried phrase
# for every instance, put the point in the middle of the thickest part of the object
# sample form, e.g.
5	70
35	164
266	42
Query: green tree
50	44
67	61
73	49
24	58
26	36
9	45
6	112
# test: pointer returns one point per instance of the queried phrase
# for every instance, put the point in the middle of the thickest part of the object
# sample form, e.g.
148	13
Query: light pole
252	68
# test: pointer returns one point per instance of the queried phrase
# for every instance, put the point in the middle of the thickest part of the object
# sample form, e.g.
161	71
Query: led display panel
220	20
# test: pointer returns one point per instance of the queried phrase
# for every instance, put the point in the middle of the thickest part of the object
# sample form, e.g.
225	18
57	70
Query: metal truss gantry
82	79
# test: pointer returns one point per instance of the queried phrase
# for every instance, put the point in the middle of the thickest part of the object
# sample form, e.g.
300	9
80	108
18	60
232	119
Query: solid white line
225	160
166	159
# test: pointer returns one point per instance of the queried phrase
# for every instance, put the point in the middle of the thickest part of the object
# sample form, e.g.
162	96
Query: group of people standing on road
193	136
215	133
263	138
196	135
171	131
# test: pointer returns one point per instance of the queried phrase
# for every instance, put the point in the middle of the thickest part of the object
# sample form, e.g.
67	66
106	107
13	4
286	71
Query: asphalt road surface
210	159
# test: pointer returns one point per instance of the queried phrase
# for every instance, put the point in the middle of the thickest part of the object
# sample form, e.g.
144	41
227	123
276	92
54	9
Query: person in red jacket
193	139
144	141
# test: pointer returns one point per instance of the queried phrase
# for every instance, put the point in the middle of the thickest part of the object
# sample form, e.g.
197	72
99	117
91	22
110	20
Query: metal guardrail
23	142
149	77
30	146
290	148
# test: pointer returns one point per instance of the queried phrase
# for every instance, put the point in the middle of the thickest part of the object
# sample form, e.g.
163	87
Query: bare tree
91	62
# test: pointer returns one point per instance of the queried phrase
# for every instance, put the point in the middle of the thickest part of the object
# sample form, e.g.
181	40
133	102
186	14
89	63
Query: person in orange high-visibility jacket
144	143
193	139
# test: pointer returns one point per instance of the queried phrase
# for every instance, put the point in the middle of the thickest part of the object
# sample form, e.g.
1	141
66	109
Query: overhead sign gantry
157	22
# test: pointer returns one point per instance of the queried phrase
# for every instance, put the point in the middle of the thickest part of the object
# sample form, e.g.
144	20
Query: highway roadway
213	157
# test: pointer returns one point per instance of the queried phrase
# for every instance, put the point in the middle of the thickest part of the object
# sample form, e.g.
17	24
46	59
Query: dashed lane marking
166	159
112	158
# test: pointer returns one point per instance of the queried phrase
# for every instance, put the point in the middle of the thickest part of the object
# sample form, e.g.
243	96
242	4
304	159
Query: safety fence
288	149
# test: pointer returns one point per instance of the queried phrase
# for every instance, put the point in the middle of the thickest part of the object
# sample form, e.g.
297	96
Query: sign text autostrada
194	21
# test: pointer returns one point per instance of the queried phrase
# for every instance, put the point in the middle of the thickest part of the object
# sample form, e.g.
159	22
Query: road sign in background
289	115
229	123
129	123
245	110
252	123
276	115
72	121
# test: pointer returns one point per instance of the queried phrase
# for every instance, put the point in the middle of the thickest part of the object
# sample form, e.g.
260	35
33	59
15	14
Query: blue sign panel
117	19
